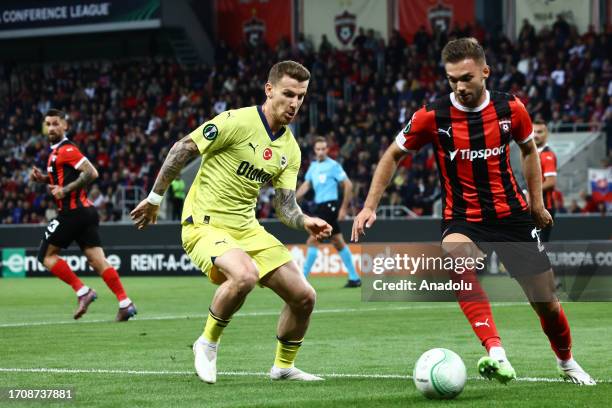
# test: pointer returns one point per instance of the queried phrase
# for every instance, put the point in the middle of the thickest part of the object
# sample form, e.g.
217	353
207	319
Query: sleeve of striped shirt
549	164
522	129
71	155
417	132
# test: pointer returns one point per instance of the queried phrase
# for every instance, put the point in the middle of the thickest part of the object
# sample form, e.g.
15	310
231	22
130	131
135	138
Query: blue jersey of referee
324	176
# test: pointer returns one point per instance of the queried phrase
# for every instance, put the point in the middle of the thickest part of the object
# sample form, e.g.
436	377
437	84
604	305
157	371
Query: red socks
476	308
481	319
63	271
557	329
111	278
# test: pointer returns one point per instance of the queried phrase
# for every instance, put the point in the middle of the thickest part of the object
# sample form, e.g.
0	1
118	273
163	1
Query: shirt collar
59	143
541	149
462	108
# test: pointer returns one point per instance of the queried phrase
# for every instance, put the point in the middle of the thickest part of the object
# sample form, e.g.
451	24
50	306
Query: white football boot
205	361
292	373
571	371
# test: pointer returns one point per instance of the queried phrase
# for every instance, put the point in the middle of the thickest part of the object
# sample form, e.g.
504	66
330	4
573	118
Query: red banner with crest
249	21
445	14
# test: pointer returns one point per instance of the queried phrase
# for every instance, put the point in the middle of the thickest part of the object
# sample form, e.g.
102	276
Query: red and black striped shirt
548	163
62	168
472	152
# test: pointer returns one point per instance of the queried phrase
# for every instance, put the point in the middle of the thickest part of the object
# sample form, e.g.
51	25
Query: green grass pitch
366	351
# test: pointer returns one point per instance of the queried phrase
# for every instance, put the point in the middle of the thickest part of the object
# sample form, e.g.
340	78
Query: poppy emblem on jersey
210	132
504	125
267	154
283	161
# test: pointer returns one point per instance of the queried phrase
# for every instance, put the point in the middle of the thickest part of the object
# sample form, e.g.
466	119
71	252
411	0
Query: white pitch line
253	314
248	374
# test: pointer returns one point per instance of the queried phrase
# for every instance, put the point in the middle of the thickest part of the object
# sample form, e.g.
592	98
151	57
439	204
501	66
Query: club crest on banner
440	16
346	26
254	30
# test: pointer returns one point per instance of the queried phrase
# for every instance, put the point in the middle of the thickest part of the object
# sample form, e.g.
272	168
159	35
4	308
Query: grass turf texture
153	356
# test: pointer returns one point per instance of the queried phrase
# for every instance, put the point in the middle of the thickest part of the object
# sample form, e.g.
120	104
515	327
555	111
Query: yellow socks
286	351
214	327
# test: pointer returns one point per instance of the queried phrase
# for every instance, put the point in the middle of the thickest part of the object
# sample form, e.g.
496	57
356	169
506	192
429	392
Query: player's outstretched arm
533	176
290	214
180	154
88	173
382	176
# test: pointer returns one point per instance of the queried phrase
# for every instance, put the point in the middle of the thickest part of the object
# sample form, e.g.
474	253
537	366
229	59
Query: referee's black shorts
328	211
80	225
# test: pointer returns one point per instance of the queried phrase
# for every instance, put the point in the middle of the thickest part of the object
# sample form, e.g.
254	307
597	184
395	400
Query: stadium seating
125	115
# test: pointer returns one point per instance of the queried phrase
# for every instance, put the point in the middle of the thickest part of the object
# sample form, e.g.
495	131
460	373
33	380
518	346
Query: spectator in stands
118	108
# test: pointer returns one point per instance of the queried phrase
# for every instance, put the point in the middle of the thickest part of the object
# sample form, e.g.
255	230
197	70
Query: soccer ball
440	374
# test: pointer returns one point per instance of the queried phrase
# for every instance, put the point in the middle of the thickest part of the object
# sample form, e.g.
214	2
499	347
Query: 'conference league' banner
29	18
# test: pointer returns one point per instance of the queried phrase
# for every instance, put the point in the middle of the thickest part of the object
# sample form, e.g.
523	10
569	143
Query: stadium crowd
125	115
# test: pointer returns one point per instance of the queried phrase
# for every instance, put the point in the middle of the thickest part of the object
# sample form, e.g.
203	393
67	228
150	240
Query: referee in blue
325	175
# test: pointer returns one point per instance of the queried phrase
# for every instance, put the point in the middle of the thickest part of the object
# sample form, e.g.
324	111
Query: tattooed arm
181	152
179	155
88	173
291	215
287	209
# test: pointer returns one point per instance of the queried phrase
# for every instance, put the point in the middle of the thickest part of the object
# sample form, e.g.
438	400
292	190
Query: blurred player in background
471	129
242	150
68	175
324	175
548	164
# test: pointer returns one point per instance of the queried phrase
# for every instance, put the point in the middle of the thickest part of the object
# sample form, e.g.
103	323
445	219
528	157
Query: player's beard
473	97
53	138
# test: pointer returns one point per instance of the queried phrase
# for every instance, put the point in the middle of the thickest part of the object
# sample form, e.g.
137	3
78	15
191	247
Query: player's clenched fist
364	219
37	175
144	214
541	217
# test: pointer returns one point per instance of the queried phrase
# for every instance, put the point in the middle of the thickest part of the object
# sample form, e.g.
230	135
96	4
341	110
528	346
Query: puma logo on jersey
249	171
447	132
253	147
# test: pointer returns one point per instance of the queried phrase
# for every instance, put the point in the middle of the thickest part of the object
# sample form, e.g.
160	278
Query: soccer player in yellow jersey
241	150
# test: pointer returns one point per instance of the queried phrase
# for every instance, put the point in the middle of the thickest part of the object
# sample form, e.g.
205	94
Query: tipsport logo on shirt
471	155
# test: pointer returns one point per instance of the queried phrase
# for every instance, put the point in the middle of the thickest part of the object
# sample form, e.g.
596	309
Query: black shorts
80	225
516	241
328	211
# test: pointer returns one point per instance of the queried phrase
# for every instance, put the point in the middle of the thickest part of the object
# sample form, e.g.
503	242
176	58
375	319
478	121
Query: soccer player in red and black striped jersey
68	175
548	164
470	130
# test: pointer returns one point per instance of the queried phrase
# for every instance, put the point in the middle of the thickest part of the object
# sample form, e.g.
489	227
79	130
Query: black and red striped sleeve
417	132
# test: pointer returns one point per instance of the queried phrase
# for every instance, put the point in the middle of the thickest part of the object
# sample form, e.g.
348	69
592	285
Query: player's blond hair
463	48
292	69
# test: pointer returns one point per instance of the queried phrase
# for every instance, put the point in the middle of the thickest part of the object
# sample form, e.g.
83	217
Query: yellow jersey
239	155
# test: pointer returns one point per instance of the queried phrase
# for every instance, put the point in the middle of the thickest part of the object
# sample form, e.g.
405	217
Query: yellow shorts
203	243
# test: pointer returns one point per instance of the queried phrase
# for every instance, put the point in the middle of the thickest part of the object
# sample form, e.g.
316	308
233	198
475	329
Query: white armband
154	198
